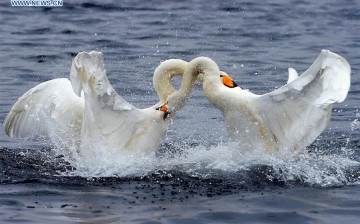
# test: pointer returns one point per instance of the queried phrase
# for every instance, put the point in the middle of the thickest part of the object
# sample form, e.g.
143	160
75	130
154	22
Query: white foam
311	168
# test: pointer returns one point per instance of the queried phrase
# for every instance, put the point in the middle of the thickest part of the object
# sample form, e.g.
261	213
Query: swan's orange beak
228	81
164	108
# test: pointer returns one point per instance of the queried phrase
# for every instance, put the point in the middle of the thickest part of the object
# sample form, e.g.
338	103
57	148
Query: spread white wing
85	112
299	111
102	102
50	107
109	121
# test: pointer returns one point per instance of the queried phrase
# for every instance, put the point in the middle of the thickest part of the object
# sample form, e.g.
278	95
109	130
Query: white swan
289	118
88	104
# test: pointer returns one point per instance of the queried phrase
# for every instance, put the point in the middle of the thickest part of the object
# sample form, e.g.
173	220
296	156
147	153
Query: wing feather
49	106
299	111
108	118
89	75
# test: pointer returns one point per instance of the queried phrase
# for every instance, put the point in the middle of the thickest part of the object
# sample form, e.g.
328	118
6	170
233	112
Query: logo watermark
37	3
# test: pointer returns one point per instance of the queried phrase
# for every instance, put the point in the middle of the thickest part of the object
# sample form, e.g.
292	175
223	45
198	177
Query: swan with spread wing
289	118
87	112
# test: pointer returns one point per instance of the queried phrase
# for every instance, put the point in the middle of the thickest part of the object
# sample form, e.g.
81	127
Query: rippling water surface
197	176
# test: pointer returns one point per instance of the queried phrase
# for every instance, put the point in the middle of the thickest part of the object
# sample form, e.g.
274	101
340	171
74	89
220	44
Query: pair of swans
89	110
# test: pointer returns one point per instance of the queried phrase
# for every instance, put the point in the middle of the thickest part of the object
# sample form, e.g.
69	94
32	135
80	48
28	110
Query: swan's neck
163	75
213	87
200	66
178	99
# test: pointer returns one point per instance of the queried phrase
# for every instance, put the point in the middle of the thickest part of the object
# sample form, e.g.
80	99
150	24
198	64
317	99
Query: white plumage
51	109
88	112
289	118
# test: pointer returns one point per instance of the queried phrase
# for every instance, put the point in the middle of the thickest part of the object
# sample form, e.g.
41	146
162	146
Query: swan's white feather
289	118
88	74
109	121
300	110
50	107
292	75
89	112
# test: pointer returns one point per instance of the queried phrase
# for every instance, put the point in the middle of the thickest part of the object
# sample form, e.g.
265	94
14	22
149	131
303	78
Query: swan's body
289	118
88	110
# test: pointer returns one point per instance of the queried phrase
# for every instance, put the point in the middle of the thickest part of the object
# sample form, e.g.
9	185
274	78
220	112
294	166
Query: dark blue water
204	180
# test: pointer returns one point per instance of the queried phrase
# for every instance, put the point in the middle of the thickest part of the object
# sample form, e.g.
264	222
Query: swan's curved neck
201	66
163	75
215	90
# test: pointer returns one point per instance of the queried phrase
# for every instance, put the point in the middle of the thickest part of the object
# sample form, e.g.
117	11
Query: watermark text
37	3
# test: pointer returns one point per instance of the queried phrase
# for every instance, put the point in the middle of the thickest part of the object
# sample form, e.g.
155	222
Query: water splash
355	125
226	161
